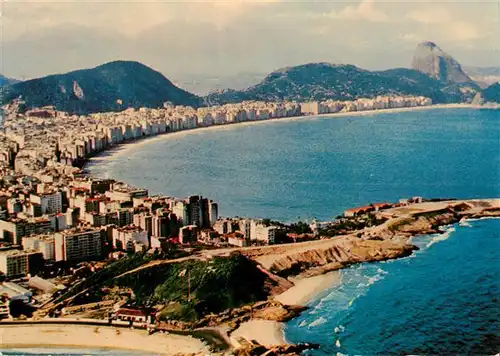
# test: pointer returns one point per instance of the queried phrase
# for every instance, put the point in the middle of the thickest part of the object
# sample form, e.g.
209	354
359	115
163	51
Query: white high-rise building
50	203
78	245
41	243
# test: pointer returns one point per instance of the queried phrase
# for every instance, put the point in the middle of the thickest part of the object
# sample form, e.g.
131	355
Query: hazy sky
188	38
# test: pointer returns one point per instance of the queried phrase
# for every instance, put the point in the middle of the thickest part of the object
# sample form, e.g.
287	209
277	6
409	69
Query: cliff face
383	242
318	261
433	61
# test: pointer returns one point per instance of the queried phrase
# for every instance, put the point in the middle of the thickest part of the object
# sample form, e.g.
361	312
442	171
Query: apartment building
41	243
78	245
15	263
125	236
50	203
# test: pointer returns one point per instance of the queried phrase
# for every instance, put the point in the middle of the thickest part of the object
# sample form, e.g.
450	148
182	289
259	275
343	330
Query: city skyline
226	38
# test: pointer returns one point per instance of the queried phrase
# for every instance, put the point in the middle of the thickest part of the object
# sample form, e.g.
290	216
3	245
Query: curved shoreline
447	232
309	290
266	331
103	337
122	148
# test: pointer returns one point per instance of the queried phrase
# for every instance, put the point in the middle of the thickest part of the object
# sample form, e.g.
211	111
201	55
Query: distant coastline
122	148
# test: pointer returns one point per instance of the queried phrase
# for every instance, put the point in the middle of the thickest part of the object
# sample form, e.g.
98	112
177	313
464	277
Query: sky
198	38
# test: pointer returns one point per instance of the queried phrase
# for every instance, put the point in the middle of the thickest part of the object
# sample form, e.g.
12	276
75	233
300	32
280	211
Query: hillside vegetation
112	86
492	93
195	288
190	289
323	81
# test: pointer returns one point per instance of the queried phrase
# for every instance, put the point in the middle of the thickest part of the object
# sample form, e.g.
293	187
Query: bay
318	167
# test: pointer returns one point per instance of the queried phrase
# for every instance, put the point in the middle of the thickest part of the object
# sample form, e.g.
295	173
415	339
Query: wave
318	321
465	223
376	278
447	230
483	218
339	329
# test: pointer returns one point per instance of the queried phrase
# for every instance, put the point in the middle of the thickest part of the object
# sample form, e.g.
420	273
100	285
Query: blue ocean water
443	300
318	167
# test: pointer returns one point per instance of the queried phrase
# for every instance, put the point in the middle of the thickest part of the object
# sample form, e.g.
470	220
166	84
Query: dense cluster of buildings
51	212
378	103
79	219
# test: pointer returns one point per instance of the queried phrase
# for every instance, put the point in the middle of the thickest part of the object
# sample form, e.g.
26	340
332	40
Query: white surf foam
441	237
318	321
302	324
339	329
465	223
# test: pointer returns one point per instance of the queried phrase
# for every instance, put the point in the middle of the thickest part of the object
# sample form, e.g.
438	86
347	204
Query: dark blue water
319	167
442	300
445	299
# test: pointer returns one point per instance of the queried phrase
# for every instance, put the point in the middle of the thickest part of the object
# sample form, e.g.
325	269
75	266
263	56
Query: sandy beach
265	332
123	148
306	289
270	333
90	337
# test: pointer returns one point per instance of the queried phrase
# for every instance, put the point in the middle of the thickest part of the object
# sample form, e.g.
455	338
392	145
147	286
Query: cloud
450	24
127	17
190	37
428	16
365	10
410	37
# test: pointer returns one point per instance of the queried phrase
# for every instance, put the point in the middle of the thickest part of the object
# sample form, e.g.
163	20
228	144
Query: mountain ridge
322	81
4	81
117	85
112	86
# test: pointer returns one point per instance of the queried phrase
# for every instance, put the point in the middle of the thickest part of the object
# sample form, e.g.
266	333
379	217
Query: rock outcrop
319	261
433	61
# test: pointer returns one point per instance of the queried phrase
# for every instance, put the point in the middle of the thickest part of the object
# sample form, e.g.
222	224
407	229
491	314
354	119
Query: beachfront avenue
43	138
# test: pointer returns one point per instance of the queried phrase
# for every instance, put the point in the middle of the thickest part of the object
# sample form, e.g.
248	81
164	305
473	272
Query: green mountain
112	86
492	93
321	81
6	81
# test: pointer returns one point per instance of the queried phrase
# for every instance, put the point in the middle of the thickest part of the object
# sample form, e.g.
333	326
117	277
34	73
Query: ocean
444	299
318	167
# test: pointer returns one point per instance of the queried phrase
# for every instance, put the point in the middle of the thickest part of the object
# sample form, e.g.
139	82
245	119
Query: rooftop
13	290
